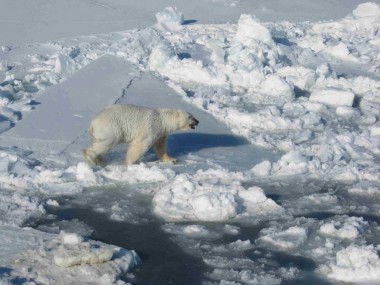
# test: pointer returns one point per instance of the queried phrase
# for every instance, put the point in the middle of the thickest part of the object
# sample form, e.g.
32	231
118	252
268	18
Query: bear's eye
189	117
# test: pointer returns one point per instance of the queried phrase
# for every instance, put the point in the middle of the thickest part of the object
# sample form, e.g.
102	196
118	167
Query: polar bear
140	127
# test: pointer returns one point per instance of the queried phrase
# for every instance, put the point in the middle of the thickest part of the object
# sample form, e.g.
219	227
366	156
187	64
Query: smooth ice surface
40	21
65	110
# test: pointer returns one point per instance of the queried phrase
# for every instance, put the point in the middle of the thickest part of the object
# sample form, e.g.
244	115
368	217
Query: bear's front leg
160	149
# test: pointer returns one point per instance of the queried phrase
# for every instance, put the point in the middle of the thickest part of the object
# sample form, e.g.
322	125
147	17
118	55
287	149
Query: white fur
140	127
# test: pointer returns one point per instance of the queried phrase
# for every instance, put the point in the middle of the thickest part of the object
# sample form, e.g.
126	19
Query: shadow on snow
184	143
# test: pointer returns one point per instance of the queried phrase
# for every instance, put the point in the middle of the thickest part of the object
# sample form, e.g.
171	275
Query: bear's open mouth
194	123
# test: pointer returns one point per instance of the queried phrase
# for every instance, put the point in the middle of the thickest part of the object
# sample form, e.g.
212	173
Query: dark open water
163	260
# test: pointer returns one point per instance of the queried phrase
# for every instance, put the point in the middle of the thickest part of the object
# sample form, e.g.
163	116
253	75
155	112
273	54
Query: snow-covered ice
199	199
355	264
46	258
170	18
279	183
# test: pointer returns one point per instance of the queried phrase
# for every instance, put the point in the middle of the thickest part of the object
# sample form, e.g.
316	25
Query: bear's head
176	119
187	120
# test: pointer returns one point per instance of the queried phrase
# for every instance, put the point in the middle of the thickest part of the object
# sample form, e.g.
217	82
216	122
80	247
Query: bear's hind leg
93	153
160	149
90	159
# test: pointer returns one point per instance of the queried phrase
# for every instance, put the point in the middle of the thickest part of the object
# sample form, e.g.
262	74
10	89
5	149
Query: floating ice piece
19	207
186	72
276	87
74	251
262	169
375	130
217	46
354	264
291	163
86	175
250	29
4	101
170	18
365	191
214	206
324	71
137	173
313	106
370	103
63	64
188	199
345	111
219	175
287	239
365	18
301	77
68	260
195	231
347	175
333	97
245	276
314	42
370	142
70	238
310	119
161	54
340	51
48	259
48	176
231	230
368	9
349	230
52	202
240	245
4	163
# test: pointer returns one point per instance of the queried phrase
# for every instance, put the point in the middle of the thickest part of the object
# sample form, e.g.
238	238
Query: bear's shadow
184	143
180	144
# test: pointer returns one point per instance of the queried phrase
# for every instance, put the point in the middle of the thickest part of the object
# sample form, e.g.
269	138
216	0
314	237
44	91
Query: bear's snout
194	122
